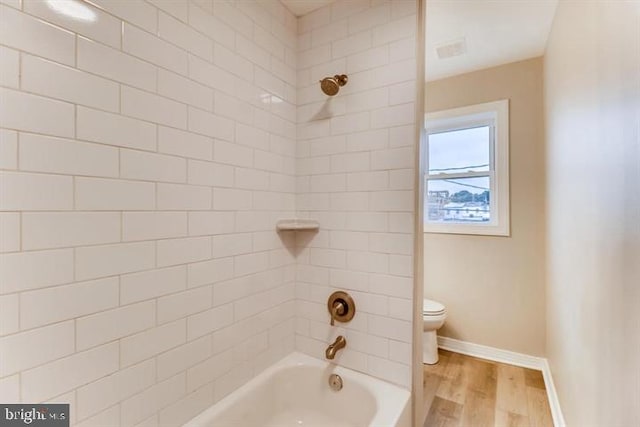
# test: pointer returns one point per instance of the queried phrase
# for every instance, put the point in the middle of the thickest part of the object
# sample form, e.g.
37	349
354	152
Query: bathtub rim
393	402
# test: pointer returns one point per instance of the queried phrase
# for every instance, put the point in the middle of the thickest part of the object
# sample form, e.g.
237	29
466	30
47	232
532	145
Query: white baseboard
554	402
512	358
492	353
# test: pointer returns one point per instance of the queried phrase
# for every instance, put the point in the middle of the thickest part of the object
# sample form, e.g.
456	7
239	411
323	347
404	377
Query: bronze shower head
331	85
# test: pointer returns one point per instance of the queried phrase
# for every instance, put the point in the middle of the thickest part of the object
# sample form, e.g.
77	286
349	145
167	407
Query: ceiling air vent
451	49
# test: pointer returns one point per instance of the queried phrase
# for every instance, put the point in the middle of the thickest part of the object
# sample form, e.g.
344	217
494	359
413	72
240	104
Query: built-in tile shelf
297	225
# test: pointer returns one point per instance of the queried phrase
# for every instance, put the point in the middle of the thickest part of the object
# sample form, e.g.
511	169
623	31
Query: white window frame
496	116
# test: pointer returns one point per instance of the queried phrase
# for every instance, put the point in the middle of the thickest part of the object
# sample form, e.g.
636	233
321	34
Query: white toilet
433	316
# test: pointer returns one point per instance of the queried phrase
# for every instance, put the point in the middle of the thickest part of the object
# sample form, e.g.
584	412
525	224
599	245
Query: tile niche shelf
297	225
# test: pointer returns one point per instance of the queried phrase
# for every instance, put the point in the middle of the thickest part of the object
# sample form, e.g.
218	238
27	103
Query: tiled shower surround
147	151
355	175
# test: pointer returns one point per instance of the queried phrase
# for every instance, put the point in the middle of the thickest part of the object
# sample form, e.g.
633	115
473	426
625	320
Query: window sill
475	230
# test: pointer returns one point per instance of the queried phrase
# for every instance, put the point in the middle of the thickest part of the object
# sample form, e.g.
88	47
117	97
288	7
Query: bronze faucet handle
337	310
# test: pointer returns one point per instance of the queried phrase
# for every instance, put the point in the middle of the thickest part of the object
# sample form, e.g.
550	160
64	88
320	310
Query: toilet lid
432	307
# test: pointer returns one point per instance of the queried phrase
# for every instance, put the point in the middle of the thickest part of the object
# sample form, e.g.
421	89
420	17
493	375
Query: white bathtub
295	392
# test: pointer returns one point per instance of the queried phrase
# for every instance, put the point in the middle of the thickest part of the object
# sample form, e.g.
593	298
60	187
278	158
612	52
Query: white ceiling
302	7
495	32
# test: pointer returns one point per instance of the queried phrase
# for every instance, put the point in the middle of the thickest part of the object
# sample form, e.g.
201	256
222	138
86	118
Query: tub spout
338	344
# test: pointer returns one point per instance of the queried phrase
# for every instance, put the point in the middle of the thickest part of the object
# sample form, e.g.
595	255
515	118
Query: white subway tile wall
146	155
355	175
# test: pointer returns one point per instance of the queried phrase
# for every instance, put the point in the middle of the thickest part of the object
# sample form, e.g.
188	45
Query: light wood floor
463	391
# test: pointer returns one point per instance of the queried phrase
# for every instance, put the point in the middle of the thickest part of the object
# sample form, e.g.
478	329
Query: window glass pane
464	150
459	200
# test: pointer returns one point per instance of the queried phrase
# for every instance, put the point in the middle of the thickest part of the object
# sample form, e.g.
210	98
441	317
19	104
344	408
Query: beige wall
592	90
493	287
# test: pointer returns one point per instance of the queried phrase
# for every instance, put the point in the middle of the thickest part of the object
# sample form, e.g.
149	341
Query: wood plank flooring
463	391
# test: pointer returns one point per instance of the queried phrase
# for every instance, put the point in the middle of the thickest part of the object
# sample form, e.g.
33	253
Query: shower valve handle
337	310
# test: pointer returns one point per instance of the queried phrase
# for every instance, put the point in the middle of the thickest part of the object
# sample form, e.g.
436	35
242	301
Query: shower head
331	85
